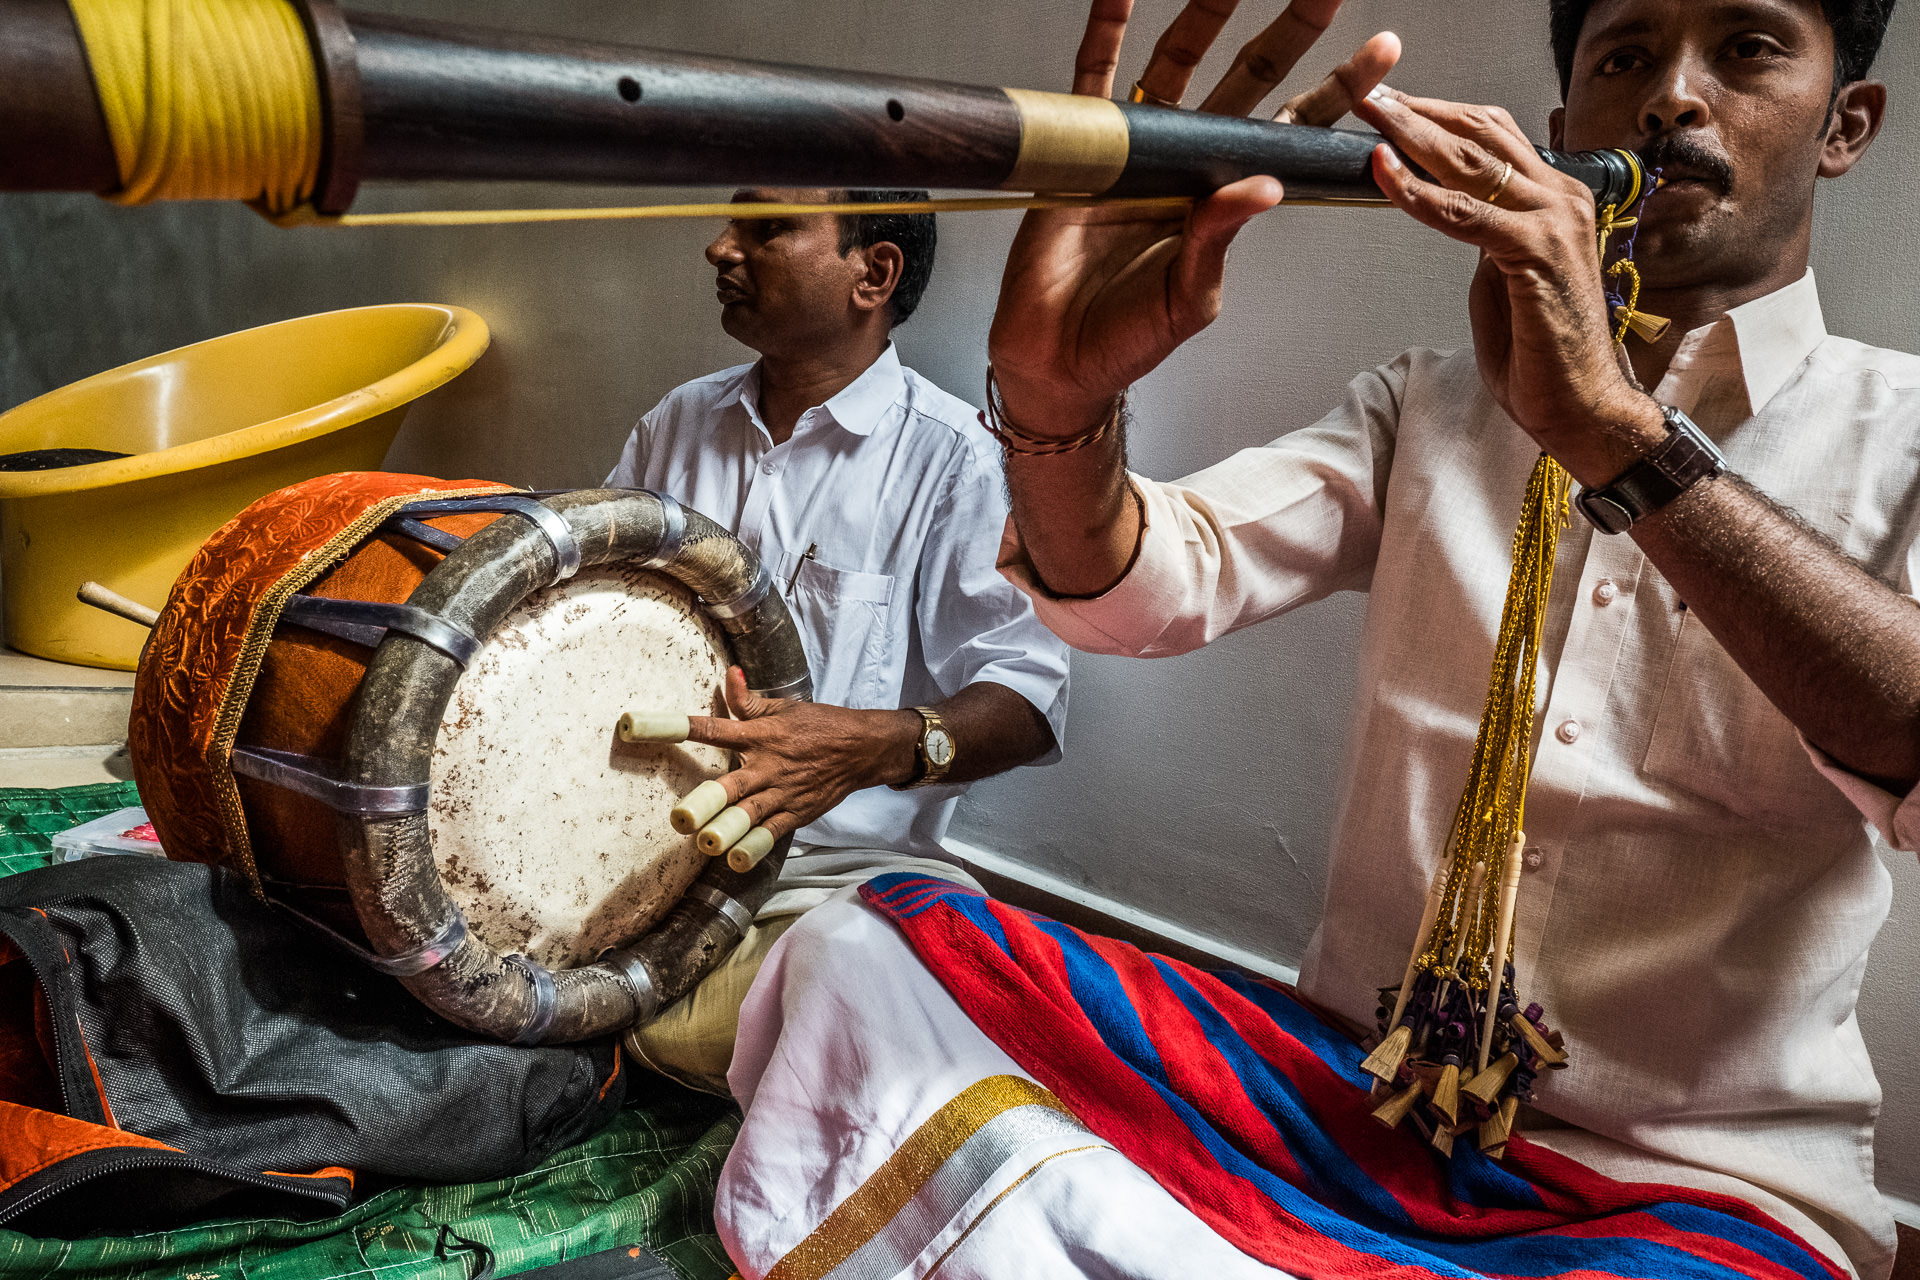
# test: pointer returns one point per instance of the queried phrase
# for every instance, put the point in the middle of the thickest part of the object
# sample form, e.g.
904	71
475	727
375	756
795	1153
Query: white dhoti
886	1135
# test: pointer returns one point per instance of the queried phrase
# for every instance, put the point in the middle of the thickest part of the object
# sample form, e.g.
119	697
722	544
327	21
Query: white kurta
1698	898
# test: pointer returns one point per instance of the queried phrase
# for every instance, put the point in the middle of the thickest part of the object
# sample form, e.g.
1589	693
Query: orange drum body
390	702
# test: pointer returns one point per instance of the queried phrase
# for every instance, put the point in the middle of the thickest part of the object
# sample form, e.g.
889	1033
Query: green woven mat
647	1179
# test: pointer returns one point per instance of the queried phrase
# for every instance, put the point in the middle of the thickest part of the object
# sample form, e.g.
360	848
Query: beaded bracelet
1014	440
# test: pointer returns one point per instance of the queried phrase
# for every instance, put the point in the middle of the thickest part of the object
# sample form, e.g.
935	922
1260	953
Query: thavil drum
391	703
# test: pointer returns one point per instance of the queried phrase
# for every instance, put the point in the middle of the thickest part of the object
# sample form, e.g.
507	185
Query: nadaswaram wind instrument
293	103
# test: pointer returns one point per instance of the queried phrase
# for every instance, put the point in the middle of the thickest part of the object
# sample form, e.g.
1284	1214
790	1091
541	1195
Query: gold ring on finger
1506	176
1138	94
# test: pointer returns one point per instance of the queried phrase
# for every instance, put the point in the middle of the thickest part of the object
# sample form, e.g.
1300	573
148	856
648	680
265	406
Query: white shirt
1698	898
900	493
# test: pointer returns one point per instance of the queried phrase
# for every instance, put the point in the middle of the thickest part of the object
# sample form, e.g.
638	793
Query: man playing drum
1732	663
877	503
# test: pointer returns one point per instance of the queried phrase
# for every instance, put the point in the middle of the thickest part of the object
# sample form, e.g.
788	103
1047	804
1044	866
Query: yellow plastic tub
210	428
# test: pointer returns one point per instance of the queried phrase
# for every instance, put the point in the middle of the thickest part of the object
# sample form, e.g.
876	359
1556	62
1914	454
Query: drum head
550	832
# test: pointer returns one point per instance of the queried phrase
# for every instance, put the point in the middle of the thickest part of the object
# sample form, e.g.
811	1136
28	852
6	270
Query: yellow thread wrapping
206	99
1068	143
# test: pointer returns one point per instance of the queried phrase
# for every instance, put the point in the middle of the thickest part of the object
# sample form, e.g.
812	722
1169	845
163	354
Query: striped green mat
646	1181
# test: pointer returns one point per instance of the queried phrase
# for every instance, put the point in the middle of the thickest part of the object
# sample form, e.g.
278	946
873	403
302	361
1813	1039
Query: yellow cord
306	217
206	99
1173	206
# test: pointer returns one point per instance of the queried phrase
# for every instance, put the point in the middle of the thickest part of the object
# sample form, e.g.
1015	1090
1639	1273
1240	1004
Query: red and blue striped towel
1250	1111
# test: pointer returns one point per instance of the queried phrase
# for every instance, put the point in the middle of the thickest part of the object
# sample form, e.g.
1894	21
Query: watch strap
1683	460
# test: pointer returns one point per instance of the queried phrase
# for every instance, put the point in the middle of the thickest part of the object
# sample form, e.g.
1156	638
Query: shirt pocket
842	615
1718	737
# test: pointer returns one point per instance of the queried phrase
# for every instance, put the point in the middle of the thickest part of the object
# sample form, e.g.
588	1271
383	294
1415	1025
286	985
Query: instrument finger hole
895	112
630	89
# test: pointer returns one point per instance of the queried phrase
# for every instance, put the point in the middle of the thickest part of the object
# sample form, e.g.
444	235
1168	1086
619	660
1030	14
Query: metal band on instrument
1069	143
631	968
801	689
439	539
534	1029
404	964
744	603
559	533
316	778
730	910
364	622
673	529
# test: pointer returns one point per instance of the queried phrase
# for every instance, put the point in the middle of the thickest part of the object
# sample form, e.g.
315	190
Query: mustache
1677	151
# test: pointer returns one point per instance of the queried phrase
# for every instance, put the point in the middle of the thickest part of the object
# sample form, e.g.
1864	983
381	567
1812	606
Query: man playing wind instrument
1728	684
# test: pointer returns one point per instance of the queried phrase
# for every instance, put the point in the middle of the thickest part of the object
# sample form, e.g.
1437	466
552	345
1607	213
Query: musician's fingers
1202	261
744	702
1455	161
1491	127
1451	212
719	731
1350	82
1099	52
1264	61
1182	45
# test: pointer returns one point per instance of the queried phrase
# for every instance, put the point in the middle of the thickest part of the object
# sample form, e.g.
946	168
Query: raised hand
1540	325
1094	299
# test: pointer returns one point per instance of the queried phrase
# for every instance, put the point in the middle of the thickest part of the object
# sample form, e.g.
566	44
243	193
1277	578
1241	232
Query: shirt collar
858	407
1764	341
864	401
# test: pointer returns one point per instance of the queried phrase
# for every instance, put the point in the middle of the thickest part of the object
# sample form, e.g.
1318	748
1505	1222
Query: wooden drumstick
653	726
753	846
119	606
698	807
1502	934
724	831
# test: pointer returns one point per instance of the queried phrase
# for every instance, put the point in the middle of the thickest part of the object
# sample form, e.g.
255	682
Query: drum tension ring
364	622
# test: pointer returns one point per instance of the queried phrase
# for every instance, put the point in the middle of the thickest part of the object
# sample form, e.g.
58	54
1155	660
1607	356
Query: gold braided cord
206	99
1493	804
1174	206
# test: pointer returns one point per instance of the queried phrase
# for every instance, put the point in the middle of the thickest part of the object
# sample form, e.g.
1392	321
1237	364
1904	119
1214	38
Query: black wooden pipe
407	100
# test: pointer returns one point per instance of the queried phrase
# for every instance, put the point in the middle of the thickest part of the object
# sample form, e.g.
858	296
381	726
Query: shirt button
1605	593
766	468
1568	732
1534	858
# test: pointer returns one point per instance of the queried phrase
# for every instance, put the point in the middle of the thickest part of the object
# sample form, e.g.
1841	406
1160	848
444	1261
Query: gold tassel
1498	1127
1383	1064
1446	1095
1443	1139
1391	1112
1548	1055
1485	1086
1643	326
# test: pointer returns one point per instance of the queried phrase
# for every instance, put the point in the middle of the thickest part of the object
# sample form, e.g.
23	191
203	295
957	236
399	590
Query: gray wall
1197	790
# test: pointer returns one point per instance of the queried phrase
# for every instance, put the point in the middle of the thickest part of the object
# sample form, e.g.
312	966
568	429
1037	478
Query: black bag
173	1049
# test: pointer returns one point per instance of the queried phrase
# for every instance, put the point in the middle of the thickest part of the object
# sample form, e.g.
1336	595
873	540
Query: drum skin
222	663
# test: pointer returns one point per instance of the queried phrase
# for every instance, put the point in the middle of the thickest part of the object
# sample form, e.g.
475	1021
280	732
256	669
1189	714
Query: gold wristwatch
934	752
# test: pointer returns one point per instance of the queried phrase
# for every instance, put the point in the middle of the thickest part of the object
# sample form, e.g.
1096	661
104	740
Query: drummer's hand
1093	299
800	759
1541	328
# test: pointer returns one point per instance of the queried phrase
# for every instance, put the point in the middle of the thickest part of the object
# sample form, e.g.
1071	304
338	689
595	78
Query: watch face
939	748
